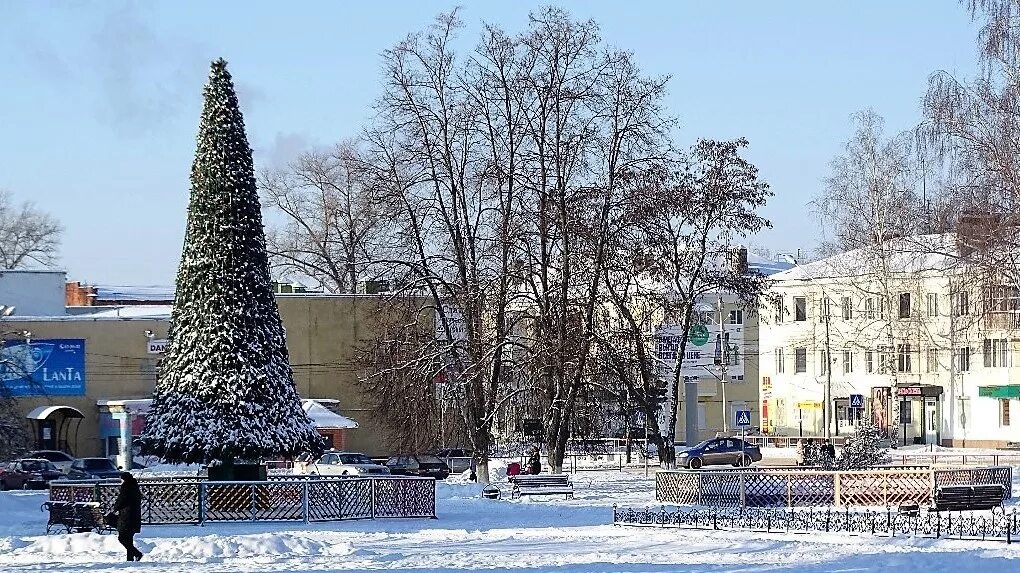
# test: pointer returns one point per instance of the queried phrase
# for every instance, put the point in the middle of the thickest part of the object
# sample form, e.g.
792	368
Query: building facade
906	336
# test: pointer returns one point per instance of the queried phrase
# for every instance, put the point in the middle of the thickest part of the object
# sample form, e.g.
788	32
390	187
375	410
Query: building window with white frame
799	309
780	310
823	362
960	303
825	309
1003	412
996	352
780	363
931	360
933	304
903	358
800	360
962	357
848	361
848	308
736	316
882	367
869	308
904	305
869	362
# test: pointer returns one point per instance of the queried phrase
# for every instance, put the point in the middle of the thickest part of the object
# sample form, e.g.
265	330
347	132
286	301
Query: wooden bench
70	517
550	484
968	497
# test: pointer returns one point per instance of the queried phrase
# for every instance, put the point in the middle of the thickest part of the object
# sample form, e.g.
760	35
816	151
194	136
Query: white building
927	342
32	292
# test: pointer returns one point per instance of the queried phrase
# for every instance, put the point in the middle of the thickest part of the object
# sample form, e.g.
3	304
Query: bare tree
28	236
335	225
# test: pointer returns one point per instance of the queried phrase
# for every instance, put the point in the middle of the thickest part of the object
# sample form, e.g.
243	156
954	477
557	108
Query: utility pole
827	397
724	359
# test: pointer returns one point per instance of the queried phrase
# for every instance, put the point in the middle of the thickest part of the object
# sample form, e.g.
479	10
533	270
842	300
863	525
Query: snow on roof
129	292
322	417
919	253
129	312
764	266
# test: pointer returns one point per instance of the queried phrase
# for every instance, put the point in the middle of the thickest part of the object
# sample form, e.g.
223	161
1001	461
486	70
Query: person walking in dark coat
129	515
535	462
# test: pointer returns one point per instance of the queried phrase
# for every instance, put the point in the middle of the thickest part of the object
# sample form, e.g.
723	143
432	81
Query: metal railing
990	526
198	501
959	459
765	487
788	441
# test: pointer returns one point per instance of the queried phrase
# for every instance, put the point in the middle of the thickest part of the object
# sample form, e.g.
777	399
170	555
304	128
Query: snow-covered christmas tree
225	391
863	450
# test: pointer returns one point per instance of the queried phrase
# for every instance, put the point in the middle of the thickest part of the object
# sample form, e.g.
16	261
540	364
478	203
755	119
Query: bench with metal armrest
550	484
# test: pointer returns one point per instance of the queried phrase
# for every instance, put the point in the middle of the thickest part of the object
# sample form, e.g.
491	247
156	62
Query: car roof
31	460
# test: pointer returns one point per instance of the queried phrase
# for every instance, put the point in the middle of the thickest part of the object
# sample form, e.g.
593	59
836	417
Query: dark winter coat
129	506
535	464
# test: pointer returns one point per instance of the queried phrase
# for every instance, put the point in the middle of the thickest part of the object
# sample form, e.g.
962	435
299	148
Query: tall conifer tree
225	390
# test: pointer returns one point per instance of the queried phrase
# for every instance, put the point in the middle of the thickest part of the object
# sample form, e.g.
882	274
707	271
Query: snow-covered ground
474	534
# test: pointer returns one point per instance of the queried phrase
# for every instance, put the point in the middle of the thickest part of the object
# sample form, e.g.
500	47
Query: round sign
698	335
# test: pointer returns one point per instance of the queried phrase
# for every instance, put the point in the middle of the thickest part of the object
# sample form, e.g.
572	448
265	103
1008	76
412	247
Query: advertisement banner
47	367
707	346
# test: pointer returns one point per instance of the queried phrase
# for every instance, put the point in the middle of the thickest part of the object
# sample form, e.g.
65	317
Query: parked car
417	465
61	460
719	451
28	473
93	468
459	459
333	463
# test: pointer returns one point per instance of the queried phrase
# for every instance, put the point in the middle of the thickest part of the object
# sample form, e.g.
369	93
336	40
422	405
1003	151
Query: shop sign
156	346
811	405
44	367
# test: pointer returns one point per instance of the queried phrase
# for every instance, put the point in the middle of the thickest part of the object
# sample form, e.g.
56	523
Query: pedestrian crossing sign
856	400
743	418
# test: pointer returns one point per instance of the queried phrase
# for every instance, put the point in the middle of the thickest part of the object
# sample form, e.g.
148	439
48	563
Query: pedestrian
535	462
128	508
830	450
801	452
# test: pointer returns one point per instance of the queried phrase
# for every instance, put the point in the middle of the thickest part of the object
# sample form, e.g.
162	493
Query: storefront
920	412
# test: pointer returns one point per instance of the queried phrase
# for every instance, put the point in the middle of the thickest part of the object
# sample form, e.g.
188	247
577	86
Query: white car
59	459
345	464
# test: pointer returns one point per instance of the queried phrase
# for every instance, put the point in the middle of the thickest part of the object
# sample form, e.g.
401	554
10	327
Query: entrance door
931	418
47	437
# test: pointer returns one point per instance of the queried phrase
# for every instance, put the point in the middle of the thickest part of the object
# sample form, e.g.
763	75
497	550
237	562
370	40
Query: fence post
254	509
304	499
837	497
743	491
201	502
789	490
373	480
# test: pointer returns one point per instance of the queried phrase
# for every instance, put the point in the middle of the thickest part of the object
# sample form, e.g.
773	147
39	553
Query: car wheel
695	463
3	485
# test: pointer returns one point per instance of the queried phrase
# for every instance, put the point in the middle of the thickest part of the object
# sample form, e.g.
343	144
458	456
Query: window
1003	412
800	360
800	309
848	308
903	358
780	310
1002	299
823	362
905	411
883	360
960	303
905	305
869	361
736	317
825	311
931	359
869	308
881	308
996	353
963	358
848	361
933	304
780	366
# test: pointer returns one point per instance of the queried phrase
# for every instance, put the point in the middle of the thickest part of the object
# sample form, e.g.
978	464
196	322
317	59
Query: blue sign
856	400
48	367
743	418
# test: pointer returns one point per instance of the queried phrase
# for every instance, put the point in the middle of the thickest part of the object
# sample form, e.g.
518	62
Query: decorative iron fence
787	441
764	487
959	459
197	501
995	526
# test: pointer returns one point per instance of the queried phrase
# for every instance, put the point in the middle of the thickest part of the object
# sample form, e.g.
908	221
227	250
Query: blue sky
99	101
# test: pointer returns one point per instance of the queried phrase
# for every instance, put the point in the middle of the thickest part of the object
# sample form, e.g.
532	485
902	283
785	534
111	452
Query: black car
719	451
93	468
418	465
28	473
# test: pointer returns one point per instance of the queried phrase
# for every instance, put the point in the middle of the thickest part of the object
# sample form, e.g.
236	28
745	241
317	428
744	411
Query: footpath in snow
475	534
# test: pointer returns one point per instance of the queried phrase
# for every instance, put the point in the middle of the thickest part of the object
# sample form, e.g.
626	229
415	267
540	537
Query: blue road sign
856	400
743	418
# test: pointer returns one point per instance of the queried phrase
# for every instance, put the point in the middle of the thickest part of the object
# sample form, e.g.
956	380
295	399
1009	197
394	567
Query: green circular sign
698	335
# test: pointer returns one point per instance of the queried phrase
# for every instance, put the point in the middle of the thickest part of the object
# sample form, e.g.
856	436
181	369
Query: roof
43	412
138	293
915	254
323	418
767	267
126	312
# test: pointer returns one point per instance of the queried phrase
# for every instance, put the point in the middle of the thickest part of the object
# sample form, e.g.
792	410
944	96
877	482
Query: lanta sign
47	367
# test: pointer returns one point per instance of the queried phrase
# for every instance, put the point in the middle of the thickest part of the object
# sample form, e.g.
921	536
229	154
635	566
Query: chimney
77	294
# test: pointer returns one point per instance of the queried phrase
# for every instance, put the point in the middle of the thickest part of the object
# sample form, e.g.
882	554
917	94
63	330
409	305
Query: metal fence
994	526
788	441
959	459
763	487
197	501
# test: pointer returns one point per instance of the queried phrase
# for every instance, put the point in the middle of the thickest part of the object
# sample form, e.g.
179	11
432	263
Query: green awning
1010	391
